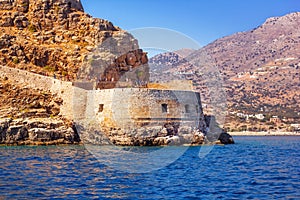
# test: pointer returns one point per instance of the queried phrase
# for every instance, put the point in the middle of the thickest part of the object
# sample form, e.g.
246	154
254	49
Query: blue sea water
253	168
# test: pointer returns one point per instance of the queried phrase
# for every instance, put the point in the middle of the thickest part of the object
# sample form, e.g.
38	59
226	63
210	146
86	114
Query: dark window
164	108
101	107
187	108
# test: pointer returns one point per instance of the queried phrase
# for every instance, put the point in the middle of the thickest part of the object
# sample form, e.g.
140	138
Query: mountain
260	68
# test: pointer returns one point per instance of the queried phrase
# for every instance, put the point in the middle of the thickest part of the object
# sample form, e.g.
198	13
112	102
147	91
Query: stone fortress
103	81
122	116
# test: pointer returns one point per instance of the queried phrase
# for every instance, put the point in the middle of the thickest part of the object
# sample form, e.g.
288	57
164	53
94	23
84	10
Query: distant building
288	120
260	116
241	115
296	127
275	120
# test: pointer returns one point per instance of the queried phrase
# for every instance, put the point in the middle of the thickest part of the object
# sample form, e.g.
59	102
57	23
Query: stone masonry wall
138	116
137	107
122	107
65	90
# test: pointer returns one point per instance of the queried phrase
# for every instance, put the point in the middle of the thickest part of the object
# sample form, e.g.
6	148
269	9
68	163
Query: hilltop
54	37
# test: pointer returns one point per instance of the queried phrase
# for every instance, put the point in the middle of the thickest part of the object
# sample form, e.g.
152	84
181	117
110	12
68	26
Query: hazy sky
202	20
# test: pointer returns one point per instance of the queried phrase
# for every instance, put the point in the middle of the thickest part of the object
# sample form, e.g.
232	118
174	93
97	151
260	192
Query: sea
253	168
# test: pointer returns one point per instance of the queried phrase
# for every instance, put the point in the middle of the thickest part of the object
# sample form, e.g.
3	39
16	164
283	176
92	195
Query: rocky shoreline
167	135
37	132
58	132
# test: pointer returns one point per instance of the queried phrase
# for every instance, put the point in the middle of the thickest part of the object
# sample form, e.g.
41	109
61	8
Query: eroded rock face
25	5
54	36
37	132
168	135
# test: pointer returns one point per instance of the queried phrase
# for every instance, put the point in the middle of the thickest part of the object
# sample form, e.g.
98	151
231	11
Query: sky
202	20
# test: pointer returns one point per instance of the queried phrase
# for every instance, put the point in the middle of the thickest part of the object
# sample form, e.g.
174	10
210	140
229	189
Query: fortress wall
28	79
132	107
35	81
119	107
74	99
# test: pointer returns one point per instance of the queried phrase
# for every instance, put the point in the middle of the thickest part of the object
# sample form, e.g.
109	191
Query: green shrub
64	73
50	68
32	28
16	61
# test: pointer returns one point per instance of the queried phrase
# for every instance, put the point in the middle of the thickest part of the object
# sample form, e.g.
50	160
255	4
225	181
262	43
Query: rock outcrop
225	138
37	132
53	36
32	117
168	135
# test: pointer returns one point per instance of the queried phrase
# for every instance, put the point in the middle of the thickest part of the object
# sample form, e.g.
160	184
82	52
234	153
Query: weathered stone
7	22
16	133
131	59
174	140
198	138
21	22
4	124
6	41
144	58
160	141
6	5
23	5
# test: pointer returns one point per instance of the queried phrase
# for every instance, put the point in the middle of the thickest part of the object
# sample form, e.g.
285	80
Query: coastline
250	133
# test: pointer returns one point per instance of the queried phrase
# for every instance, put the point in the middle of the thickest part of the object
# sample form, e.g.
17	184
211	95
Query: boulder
198	138
7	22
4	124
22	132
21	22
160	141
225	138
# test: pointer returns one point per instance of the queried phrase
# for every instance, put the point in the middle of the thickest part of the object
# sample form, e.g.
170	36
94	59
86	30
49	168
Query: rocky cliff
53	36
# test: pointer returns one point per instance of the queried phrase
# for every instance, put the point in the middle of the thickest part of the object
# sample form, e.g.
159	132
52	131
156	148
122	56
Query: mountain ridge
260	68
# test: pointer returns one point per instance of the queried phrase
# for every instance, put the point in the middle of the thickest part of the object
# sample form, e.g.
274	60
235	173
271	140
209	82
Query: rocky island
68	78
